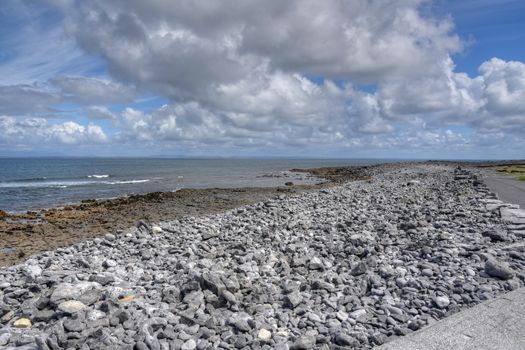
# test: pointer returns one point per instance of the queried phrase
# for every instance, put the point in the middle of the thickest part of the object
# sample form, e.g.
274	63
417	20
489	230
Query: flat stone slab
497	324
513	216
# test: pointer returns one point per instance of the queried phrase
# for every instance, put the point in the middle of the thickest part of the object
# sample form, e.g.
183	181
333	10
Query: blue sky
357	78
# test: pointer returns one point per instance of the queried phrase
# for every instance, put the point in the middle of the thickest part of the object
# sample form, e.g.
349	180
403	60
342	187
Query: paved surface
493	325
508	189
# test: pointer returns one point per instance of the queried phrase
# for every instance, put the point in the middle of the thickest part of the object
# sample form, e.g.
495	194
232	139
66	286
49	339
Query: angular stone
305	342
358	314
315	264
359	269
213	282
293	299
73	325
190	344
43	315
4	338
264	334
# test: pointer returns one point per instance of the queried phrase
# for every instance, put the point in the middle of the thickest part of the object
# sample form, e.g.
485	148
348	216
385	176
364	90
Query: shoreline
23	235
353	265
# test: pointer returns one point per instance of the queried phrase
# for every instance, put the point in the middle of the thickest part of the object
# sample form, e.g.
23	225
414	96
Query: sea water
33	183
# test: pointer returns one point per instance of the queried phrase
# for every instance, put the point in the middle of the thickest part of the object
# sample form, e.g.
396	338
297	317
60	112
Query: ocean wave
127	182
96	176
65	184
53	184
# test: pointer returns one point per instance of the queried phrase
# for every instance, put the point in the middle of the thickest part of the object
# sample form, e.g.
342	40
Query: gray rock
4	338
190	344
71	306
140	345
345	340
498	269
293	299
43	315
316	264
442	301
359	269
495	235
72	325
305	342
229	297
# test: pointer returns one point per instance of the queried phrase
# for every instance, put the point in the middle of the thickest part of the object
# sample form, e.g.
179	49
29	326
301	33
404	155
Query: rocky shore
22	235
349	266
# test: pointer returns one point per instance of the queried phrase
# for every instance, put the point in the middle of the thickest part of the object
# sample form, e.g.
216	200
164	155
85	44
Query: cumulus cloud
504	87
279	73
35	131
188	50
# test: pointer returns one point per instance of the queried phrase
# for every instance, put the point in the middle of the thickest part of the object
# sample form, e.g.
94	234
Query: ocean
34	183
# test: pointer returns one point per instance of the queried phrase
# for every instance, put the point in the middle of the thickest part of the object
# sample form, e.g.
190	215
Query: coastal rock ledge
352	266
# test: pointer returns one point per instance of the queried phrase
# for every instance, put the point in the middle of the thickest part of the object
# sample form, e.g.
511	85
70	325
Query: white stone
442	301
316	263
264	334
358	313
156	229
71	306
189	345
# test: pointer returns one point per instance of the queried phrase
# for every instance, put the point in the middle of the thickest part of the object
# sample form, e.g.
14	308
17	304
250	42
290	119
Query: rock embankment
350	266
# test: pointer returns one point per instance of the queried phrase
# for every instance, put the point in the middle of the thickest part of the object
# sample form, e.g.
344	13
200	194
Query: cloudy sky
307	78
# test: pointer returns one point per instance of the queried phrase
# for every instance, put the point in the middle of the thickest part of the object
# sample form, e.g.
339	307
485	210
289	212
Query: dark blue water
32	183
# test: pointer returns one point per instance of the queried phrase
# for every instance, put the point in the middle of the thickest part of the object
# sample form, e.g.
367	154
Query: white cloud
504	87
33	132
93	90
100	112
25	99
186	49
276	74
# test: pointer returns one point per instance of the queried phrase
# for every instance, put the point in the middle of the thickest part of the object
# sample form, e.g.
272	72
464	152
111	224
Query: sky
440	79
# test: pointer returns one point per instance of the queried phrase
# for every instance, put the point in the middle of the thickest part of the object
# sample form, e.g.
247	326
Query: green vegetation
521	178
512	170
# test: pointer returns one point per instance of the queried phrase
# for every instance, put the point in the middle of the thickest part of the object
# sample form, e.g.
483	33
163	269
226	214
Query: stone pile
346	267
